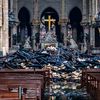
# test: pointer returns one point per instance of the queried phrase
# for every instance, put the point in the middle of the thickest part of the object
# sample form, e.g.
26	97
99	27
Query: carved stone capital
63	21
35	22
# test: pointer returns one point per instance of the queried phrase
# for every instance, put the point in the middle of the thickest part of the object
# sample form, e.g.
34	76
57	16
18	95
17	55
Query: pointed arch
52	12
24	15
75	15
54	15
24	28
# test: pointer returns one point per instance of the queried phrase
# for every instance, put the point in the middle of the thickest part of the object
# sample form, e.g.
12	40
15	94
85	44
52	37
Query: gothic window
75	17
24	28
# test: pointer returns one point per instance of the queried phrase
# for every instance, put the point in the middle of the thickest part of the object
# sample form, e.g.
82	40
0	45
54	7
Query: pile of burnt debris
65	66
70	59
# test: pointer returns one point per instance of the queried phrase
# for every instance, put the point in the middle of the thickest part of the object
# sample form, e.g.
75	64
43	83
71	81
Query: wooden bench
91	79
93	85
31	84
85	72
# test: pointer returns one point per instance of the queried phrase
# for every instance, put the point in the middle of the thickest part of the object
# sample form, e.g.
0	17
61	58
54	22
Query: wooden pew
93	85
85	72
91	80
44	72
7	95
29	81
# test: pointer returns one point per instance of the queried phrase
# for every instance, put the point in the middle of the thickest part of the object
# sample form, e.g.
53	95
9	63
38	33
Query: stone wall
56	4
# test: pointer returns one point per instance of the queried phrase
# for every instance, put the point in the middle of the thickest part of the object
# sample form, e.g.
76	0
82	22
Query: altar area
48	35
48	41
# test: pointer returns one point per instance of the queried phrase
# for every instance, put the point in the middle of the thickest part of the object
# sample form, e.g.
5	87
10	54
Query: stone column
1	25
11	5
14	9
84	10
63	21
90	20
92	29
94	7
84	21
98	5
35	22
90	10
0	38
0	13
63	8
5	36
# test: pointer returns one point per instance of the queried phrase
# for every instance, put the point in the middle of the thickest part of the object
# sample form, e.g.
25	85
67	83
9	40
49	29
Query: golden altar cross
49	20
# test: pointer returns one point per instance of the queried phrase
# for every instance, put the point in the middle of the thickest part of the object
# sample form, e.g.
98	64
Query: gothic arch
24	27
75	17
53	12
24	15
54	15
49	7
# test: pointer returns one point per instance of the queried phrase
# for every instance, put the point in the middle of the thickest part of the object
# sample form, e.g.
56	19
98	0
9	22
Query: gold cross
49	20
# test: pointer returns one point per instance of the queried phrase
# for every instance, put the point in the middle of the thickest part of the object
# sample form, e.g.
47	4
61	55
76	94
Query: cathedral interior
58	40
65	19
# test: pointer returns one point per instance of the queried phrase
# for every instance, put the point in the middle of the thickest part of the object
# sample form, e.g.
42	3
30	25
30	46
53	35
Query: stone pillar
84	21
84	10
14	9
11	5
94	9
90	10
90	23
63	8
63	21
92	37
5	36
0	38
92	29
35	22
1	12
98	5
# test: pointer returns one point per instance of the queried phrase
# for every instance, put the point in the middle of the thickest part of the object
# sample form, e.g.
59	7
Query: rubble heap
64	64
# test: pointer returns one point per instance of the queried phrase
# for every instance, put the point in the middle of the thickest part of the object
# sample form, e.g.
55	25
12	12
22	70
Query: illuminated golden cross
49	20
